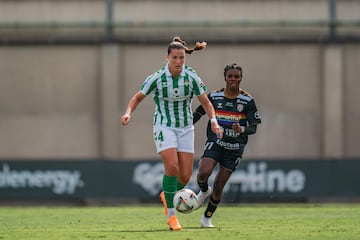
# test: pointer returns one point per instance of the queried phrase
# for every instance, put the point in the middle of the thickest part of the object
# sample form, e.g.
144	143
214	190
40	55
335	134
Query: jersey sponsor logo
231	133
228	146
229	117
229	104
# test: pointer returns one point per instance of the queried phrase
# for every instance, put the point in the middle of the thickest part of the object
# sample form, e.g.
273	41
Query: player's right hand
215	127
125	119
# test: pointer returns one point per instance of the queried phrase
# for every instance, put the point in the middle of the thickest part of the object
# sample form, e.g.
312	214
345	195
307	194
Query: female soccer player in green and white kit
238	116
172	88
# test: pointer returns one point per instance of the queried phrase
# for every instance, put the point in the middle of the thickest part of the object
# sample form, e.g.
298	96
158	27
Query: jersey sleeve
198	85
253	115
148	85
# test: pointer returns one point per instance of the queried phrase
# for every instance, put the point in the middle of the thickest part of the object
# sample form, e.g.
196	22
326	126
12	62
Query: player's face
233	78
176	59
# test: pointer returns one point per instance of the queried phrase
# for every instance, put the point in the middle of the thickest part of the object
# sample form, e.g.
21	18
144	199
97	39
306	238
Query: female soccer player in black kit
237	114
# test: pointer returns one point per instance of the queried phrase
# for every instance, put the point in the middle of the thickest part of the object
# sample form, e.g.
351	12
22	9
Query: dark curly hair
232	66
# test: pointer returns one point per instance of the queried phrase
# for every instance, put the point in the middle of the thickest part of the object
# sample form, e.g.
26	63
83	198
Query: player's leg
185	141
166	145
186	162
221	179
208	161
206	167
228	163
169	184
171	169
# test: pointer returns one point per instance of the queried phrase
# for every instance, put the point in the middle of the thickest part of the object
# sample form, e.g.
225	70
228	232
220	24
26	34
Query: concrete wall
49	101
64	101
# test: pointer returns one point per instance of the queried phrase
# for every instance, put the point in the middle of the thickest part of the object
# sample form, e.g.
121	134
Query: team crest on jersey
203	86
186	82
240	107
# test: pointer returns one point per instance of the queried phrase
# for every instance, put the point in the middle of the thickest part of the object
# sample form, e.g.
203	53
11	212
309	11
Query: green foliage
254	222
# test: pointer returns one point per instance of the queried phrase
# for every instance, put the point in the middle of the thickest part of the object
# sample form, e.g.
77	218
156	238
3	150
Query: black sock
211	208
203	186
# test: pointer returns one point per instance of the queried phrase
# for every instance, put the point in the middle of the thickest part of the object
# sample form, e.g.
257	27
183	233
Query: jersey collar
168	73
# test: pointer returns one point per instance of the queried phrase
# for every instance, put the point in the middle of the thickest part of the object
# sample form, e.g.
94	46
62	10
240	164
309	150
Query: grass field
247	221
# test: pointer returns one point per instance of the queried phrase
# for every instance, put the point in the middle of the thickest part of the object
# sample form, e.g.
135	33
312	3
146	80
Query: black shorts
229	159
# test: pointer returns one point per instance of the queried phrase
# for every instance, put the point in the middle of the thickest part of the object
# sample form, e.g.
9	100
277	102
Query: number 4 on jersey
159	137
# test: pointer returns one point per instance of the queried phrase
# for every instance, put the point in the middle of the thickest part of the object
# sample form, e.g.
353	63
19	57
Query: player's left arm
199	112
253	119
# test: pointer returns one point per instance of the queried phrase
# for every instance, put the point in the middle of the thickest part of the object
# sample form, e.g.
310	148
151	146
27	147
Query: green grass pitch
243	221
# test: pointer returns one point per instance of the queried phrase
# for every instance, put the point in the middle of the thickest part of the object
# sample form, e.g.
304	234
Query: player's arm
199	112
253	120
210	111
248	130
133	103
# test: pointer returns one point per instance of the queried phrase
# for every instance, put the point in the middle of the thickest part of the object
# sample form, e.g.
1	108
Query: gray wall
65	101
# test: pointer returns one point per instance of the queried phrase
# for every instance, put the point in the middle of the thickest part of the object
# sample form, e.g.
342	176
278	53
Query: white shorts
180	138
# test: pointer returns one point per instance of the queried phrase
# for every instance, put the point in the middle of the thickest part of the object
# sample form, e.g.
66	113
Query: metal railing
110	30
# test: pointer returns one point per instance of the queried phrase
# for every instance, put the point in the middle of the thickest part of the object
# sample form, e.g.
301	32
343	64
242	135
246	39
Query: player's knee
203	175
184	178
218	188
171	169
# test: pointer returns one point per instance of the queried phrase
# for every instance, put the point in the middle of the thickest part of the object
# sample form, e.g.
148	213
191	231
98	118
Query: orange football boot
163	200
174	223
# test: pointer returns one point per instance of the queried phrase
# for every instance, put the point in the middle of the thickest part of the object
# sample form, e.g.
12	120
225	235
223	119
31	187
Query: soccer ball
185	201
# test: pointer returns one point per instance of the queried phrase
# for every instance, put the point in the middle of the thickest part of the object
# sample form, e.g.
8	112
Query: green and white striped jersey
173	96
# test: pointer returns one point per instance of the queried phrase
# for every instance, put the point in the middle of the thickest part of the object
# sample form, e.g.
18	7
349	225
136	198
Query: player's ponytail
178	43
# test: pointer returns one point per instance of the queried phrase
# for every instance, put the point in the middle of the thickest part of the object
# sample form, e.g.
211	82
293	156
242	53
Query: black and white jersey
241	109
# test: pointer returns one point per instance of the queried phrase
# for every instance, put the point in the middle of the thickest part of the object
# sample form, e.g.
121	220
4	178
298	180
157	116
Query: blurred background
69	68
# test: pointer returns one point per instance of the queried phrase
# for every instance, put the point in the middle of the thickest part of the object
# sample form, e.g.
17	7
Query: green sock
180	186
169	185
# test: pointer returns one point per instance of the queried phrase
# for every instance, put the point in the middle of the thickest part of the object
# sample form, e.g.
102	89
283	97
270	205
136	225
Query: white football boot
206	222
201	197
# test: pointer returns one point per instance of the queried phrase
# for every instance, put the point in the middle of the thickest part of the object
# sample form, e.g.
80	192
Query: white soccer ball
185	201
